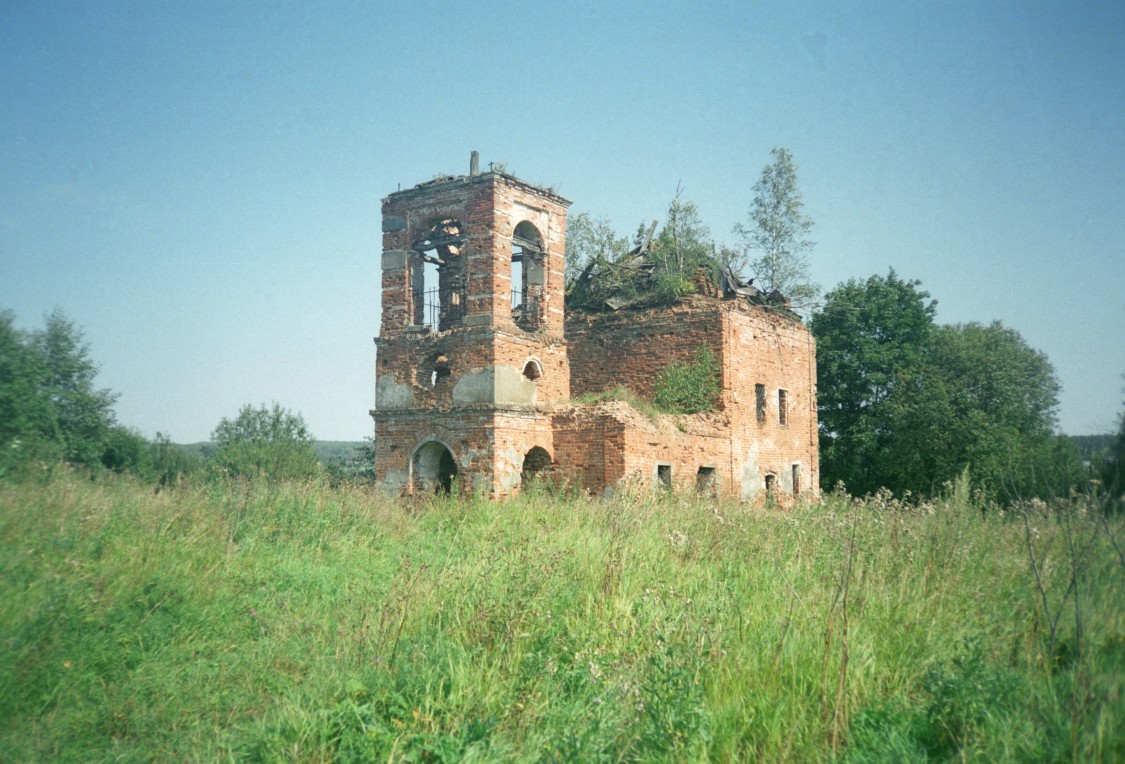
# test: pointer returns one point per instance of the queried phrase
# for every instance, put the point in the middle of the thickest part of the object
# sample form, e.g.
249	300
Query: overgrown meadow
304	622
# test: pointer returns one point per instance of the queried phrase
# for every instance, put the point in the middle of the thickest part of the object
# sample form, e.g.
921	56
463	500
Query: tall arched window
528	275
437	277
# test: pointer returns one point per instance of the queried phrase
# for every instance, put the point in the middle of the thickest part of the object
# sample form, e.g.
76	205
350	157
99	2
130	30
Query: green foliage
348	462
264	441
684	243
907	405
126	450
590	239
170	463
689	388
624	394
776	231
675	259
262	622
50	409
871	340
962	701
1113	467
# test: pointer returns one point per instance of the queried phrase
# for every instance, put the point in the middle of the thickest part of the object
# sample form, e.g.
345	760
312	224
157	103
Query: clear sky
197	185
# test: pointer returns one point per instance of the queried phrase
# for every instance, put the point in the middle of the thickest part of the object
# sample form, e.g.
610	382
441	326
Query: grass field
259	622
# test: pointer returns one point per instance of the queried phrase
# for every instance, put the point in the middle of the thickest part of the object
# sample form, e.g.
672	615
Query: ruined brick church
478	363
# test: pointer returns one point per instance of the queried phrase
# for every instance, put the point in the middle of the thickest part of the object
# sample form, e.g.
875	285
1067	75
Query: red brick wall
753	344
631	348
599	445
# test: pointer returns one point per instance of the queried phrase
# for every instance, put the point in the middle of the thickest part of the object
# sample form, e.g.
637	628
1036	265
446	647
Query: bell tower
470	354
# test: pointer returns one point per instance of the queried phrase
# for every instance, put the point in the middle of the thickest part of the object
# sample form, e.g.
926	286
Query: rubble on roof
628	283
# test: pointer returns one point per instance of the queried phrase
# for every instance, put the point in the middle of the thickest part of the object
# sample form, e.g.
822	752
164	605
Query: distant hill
336	450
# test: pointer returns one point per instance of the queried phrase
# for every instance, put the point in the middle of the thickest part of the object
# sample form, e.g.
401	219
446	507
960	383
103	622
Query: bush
265	442
689	388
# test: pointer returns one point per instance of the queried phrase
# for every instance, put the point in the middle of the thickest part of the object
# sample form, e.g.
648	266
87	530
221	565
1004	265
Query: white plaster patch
391	395
750	474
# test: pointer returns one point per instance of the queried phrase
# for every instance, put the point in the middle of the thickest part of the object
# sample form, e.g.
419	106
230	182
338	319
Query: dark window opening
760	402
433	469
796	479
771	482
528	275
437	278
664	476
537	463
706	481
782	407
532	371
440	371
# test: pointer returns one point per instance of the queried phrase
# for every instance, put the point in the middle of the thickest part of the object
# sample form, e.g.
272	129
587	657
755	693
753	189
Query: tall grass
300	622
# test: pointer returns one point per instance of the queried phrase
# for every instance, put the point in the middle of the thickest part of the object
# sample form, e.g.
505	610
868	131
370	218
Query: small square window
783	407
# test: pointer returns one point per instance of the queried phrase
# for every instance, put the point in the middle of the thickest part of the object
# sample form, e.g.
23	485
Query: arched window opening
437	277
433	468
537	463
528	275
771	484
532	370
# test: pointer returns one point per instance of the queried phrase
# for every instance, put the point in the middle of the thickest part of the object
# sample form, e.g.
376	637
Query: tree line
52	413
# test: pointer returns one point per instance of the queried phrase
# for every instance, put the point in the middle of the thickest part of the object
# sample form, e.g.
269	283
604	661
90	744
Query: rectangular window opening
760	402
796	479
783	407
705	481
664	476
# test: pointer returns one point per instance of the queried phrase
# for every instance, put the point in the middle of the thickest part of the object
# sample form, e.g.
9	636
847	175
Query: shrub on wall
689	388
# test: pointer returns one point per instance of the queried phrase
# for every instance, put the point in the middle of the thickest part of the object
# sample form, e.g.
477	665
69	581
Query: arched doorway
535	464
433	468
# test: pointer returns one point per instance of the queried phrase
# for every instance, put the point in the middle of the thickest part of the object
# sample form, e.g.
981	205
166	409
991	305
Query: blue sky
197	185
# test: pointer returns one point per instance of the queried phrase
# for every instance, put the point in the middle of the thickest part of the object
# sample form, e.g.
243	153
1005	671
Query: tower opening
433	468
437	275
528	275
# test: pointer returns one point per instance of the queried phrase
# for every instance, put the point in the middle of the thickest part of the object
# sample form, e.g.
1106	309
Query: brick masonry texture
486	395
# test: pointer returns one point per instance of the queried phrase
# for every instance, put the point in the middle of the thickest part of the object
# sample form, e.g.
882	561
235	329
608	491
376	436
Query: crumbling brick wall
754	345
480	379
484	389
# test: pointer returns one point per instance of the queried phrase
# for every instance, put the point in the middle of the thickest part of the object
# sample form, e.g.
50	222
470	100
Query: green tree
776	232
908	405
871	341
590	239
126	450
681	248
49	406
265	441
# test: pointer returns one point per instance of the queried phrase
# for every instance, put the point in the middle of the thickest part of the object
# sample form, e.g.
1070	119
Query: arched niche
433	468
536	463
